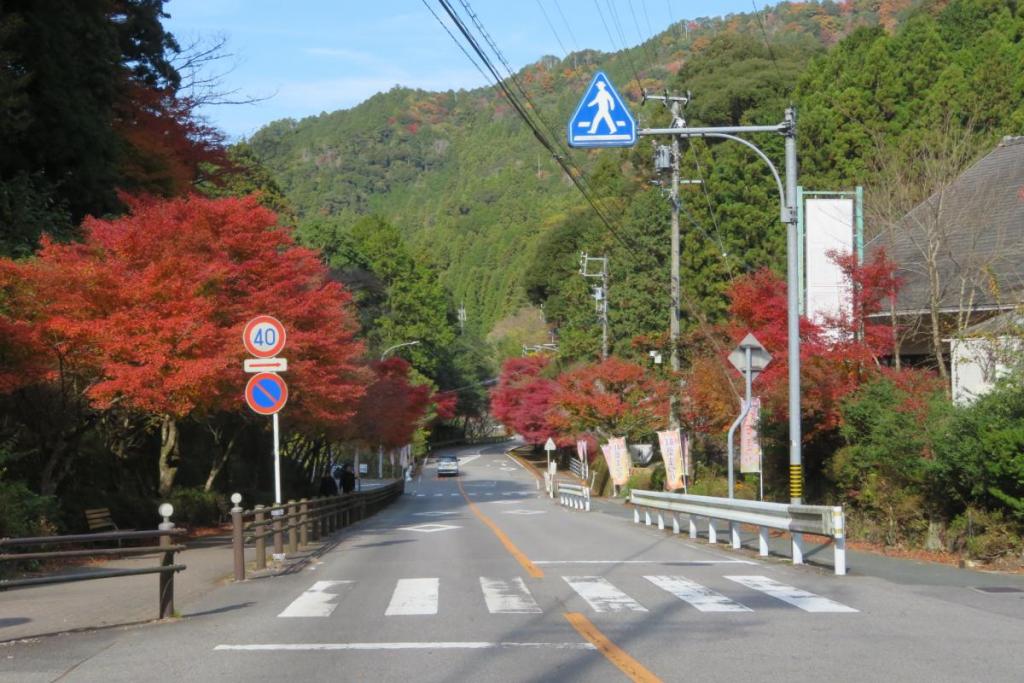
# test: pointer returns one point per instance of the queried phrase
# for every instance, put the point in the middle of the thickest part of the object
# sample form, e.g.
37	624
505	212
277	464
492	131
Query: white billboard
828	226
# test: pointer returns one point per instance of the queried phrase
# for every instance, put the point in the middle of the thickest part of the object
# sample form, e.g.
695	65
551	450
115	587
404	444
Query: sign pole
277	462
266	393
739	420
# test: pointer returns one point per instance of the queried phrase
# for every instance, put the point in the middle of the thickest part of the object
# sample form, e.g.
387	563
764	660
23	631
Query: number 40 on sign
264	336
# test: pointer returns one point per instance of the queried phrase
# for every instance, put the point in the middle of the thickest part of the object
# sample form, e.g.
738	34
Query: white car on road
447	465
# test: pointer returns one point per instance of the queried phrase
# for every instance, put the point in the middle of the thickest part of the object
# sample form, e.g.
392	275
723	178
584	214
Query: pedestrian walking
348	478
328	487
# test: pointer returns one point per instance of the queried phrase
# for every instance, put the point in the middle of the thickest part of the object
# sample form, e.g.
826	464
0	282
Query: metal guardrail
304	521
574	496
817	520
166	569
576	467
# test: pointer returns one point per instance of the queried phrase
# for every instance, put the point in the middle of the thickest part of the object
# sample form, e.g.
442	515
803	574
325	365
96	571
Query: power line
520	110
711	211
454	39
600	13
568	26
640	34
552	27
576	175
647	18
624	50
764	33
553	137
613	13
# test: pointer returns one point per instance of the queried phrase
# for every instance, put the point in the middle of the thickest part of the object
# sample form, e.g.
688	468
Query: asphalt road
481	578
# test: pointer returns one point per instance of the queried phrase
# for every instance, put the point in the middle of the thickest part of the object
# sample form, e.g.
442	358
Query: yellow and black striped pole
796	482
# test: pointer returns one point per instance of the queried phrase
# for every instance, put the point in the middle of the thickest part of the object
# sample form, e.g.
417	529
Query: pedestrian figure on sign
348	479
605	105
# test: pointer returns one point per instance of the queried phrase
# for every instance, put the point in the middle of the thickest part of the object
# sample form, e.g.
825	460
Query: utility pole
462	318
600	294
675	104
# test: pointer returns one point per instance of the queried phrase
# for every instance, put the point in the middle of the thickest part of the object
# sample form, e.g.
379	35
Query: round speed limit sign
264	336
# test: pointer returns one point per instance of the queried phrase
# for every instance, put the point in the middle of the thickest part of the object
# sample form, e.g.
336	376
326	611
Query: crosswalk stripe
315	602
508	597
808	602
701	597
603	596
414	596
420	596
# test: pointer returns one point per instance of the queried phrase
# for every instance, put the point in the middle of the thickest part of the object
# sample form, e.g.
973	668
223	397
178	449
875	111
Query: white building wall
977	363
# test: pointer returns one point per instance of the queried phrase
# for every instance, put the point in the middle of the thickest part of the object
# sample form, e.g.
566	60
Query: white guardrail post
817	520
573	496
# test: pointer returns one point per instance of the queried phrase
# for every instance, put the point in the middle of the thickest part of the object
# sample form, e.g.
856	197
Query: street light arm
784	208
397	346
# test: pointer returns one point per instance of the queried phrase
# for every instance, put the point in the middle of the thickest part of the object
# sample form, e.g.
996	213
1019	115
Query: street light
397	346
787	215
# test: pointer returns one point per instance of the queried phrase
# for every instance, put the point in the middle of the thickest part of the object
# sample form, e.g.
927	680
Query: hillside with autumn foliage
429	162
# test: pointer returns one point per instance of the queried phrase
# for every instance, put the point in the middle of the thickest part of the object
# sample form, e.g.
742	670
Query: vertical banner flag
750	443
581	450
672	454
617	456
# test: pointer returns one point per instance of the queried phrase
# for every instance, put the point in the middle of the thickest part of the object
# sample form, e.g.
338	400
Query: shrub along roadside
919	471
24	513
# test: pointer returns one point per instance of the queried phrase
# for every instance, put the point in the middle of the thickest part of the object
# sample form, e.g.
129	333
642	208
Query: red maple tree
168	146
392	408
152	305
837	354
608	399
522	401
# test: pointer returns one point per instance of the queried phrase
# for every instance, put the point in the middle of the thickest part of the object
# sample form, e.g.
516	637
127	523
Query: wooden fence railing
293	525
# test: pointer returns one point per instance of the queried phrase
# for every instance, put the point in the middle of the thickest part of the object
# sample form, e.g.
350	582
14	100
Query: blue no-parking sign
266	393
602	118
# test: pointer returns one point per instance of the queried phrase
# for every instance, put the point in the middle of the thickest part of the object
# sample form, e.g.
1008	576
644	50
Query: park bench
99	519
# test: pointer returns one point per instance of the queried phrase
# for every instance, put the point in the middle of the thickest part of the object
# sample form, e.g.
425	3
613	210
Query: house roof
1010	323
977	228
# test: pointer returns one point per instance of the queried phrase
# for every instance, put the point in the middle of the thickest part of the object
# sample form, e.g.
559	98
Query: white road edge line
469	645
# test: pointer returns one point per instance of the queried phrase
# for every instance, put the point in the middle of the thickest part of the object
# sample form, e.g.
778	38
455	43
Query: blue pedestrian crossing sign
602	119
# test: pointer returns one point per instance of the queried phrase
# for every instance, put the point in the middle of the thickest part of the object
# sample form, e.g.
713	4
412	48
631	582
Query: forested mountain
464	180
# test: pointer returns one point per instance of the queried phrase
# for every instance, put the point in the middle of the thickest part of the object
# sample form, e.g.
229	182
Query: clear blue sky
311	56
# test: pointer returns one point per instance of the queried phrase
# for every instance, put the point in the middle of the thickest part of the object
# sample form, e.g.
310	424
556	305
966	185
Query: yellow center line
532	569
612	652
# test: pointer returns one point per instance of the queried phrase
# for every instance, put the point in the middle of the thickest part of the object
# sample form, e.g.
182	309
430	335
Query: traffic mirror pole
744	410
